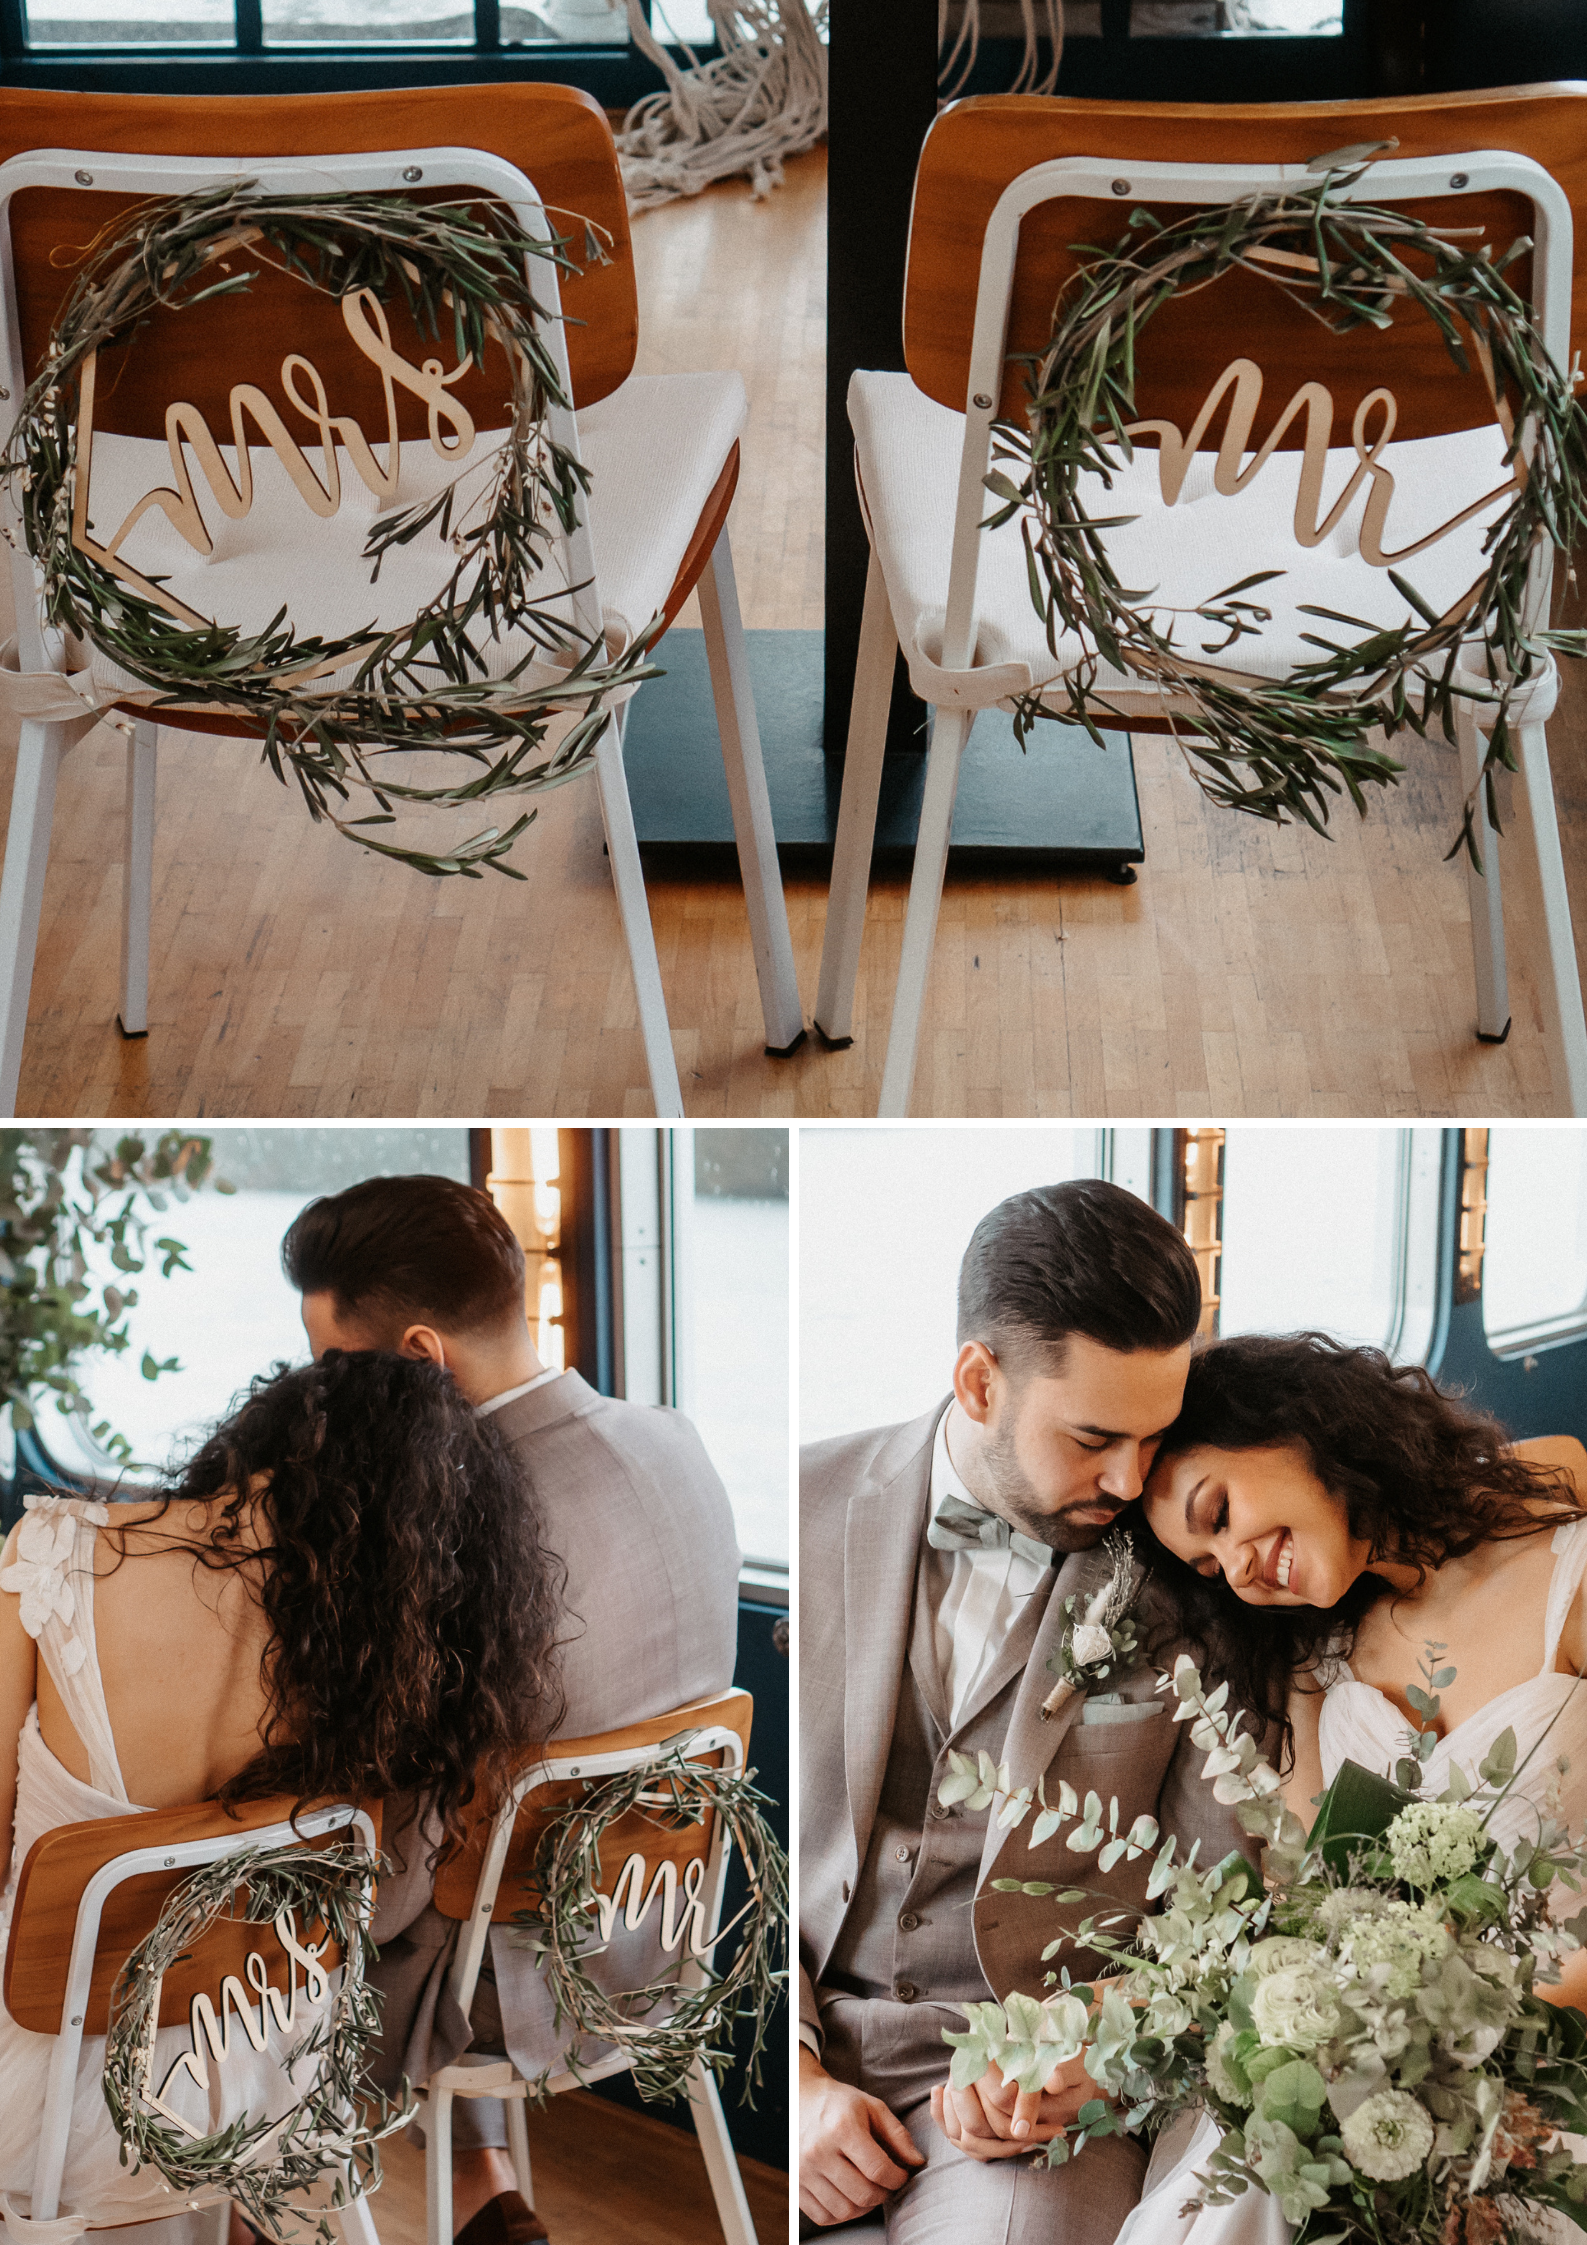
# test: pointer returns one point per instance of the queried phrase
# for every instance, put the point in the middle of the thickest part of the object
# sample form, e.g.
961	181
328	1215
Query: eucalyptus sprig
460	267
1287	748
668	2025
335	2126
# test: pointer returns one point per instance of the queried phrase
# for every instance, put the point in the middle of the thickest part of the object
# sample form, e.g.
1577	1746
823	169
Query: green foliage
461	268
264	2164
58	1201
1287	749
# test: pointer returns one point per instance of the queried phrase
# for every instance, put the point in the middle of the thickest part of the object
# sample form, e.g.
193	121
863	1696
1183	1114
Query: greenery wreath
460	267
695	2022
337	2123
1281	748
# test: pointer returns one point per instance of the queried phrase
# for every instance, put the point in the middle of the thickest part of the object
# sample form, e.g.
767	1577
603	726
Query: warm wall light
1473	1214
1204	1216
524	1182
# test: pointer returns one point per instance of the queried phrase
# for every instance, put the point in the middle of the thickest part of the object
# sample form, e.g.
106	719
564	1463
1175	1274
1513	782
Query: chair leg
22	885
1483	891
220	2217
357	2223
137	888
518	2144
438	2167
746	788
862	783
721	2161
628	878
949	738
1561	992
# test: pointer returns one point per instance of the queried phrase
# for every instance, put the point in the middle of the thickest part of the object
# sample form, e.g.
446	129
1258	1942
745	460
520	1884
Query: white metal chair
662	451
503	1853
956	598
87	1894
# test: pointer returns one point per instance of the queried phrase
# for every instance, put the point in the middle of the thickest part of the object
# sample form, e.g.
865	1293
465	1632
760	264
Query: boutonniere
1100	1642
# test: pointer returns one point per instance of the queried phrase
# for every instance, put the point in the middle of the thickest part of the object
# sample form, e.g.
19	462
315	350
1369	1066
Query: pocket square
1119	1710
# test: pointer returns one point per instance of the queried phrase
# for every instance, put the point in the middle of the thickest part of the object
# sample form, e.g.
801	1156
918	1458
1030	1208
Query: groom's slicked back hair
401	1248
1086	1257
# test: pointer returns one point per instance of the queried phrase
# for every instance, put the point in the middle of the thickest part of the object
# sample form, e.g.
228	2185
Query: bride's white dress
53	1573
1358	1724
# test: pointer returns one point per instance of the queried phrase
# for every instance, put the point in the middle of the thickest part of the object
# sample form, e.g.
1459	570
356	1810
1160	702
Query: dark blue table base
1062	805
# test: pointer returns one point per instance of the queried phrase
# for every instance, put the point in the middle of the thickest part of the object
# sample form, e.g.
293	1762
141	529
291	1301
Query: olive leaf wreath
696	2023
459	266
1280	749
338	2121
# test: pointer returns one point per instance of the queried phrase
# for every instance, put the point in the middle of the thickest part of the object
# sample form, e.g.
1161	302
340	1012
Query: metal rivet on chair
77	2019
84	178
413	175
170	1862
1121	187
982	400
1461	179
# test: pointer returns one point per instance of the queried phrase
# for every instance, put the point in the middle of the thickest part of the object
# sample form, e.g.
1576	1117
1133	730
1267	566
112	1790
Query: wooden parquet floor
602	2176
1249	972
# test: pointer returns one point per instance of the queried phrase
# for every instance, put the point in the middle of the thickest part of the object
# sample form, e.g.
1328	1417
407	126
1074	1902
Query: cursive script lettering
629	1897
1243	377
451	433
214	2034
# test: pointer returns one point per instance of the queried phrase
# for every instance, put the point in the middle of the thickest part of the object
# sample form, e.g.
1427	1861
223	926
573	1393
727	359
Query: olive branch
460	268
1282	749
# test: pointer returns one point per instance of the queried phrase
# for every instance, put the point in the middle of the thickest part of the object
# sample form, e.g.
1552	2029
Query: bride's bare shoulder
147	1526
1564	1454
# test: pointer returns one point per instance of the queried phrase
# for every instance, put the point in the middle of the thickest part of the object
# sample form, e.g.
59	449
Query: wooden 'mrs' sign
213	2033
451	430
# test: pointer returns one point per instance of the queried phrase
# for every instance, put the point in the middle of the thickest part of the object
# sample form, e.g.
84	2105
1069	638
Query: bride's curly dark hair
1422	1477
396	1553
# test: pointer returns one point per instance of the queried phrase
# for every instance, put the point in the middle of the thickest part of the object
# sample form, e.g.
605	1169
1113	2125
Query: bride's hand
993	2120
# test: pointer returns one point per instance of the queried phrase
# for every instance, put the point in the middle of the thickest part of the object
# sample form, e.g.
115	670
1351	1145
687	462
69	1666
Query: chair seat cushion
655	450
907	457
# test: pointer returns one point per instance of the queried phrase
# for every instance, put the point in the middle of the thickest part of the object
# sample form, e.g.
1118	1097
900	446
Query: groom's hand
853	2150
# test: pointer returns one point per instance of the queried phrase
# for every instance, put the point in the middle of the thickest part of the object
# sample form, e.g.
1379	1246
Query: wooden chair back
978	147
50	1888
556	135
457	1879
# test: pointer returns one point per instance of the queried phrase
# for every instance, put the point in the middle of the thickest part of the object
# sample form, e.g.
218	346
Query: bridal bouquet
1363	2031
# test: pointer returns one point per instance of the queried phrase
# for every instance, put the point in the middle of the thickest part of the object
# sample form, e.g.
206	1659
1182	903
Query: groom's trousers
895	2051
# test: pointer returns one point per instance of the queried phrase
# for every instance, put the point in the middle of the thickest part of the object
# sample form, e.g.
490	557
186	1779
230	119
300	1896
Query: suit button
937	1812
908	1921
906	1991
902	1854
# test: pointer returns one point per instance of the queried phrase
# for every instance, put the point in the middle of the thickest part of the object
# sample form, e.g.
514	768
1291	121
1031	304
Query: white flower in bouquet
1296	2007
1390	1949
1388	2137
1225	2083
1432	1842
1281	1950
1346	1904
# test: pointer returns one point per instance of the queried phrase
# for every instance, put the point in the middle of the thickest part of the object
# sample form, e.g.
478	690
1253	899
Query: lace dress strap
1570	1565
53	1571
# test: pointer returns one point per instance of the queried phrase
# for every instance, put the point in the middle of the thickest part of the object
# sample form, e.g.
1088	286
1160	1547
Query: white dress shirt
981	1594
511	1395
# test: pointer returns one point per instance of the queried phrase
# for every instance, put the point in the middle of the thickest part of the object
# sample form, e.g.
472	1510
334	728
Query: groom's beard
1018	1503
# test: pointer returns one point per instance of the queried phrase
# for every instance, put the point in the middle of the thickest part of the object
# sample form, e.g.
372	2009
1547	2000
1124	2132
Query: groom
932	1606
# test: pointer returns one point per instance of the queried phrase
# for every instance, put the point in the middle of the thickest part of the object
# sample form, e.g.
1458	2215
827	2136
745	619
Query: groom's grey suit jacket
634	1509
881	1894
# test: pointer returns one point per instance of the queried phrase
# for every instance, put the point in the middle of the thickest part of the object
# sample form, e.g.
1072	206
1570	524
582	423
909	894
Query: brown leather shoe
503	2220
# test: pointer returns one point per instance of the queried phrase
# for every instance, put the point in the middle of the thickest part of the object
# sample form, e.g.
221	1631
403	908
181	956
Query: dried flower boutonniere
1100	1642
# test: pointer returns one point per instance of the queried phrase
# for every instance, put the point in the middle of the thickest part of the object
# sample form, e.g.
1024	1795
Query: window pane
1186	19
99	23
1535	1268
362	23
1331	1230
734	1372
884	1219
580	23
234	1314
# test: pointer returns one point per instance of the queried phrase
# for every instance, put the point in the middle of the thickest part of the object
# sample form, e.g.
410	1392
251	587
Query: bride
1324	1516
343	1595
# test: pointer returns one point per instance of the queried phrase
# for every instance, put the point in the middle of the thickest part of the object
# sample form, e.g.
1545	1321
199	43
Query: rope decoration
460	267
695	2023
1281	749
264	2165
762	100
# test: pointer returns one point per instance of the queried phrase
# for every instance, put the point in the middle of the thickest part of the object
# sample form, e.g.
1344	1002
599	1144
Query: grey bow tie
957	1526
